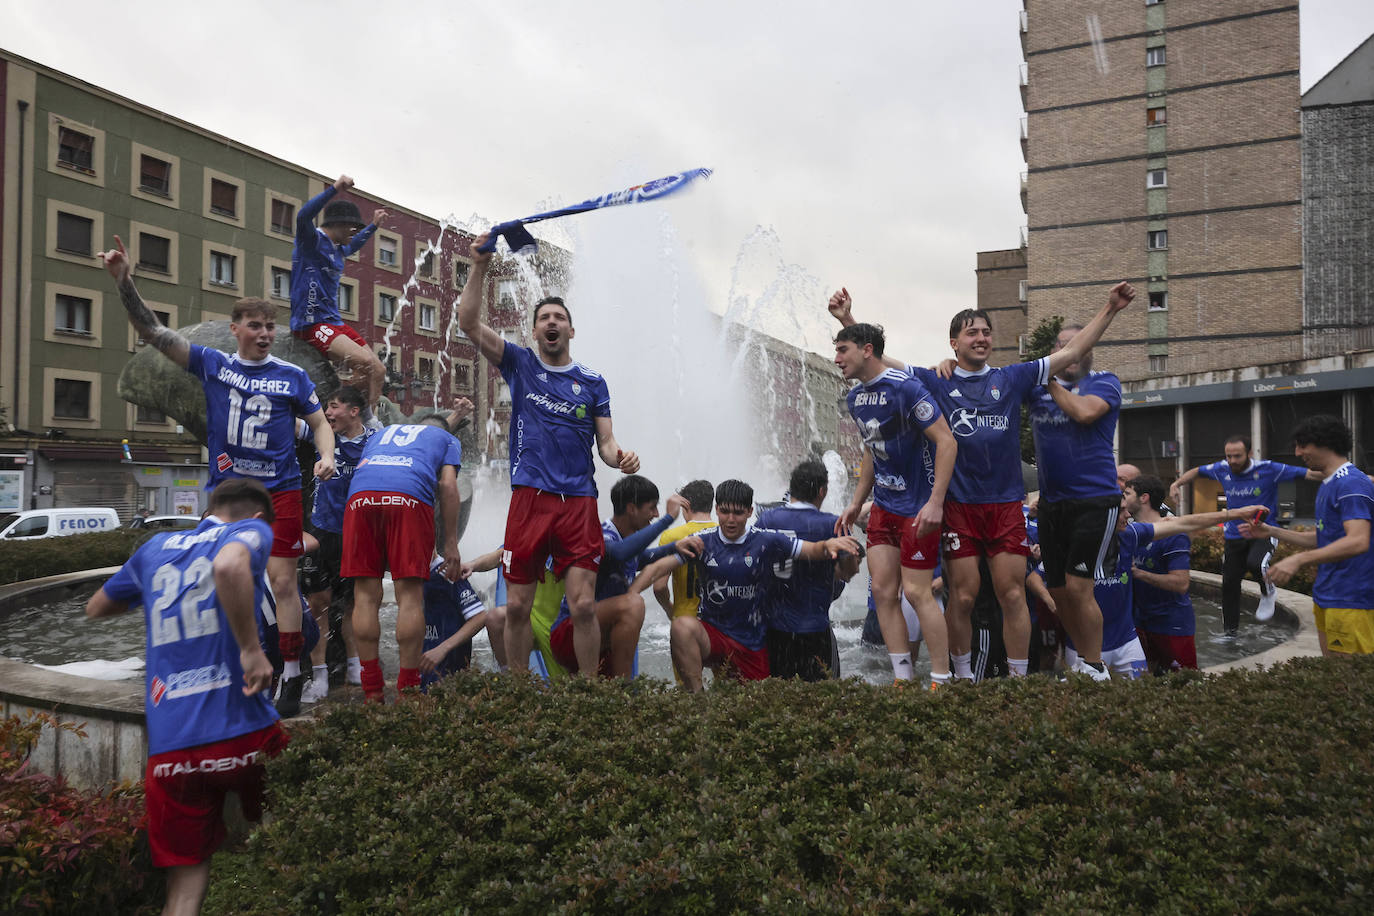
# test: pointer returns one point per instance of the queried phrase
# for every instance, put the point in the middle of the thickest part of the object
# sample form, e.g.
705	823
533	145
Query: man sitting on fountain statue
389	524
252	399
558	409
317	266
728	633
210	721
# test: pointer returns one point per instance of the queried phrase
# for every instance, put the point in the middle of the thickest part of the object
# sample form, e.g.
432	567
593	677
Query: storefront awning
143	454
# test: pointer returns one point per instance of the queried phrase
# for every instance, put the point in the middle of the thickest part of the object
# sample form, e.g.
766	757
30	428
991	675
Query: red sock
373	682
290	645
409	677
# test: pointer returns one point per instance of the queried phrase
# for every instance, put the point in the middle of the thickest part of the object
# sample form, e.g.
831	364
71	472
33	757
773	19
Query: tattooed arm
173	345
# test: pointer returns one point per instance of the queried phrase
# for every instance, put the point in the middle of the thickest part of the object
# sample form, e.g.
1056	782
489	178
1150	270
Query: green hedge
39	557
1247	792
1209	546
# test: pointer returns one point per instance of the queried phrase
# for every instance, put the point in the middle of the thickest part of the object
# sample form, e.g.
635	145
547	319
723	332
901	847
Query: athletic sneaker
289	696
317	689
1084	668
1265	610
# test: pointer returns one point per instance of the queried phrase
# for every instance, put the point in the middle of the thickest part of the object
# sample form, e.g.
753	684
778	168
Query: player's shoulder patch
924	410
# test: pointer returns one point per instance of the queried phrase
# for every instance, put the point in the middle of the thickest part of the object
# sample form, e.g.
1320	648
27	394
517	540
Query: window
155	175
505	293
71	399
424	368
427	316
1159	363
1154	117
386	251
1022	290
73	315
75	150
222	268
154	252
224	198
1152	2
427	264
386	307
1157	178
281	283
1154	57
1157	239
148	415
462	376
32	526
73	233
1159	301
461	269
345	299
164	318
283	217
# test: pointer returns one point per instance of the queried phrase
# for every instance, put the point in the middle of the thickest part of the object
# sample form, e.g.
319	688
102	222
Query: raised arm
233	575
610	451
1184	524
470	305
842	307
829	549
1118	298
1080	408
168	342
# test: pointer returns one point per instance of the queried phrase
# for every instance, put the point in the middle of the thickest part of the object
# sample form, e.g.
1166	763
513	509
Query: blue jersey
731	582
1076	460
405	459
797	593
984	412
195	680
1157	610
553	422
1346	495
891	411
250	415
317	266
448	605
331	495
1257	485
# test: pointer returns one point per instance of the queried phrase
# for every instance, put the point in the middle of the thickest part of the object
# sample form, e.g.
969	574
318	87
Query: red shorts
185	790
320	336
920	552
885	528
384	531
1163	650
984	529
740	663
542	524
287	540
561	643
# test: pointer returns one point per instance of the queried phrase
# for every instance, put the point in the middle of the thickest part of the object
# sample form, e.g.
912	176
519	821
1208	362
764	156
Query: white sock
355	670
291	669
1017	666
963	665
939	680
901	666
320	674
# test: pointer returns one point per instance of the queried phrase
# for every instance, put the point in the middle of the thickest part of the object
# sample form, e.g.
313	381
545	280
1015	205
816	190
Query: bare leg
885	572
281	573
581	595
620	619
496	632
186	887
410	620
964	581
916	585
362	360
319	609
367	627
519	636
690	647
1081	616
1009	581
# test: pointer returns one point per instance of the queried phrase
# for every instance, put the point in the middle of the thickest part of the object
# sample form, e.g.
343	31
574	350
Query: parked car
51	523
166	522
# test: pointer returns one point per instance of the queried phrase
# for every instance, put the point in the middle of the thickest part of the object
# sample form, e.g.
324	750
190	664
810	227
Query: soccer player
252	399
558	408
1121	648
1245	480
728	631
1164	616
453	615
699	498
319	571
210	721
983	512
317	266
909	455
1073	419
797	594
619	612
1343	593
389	525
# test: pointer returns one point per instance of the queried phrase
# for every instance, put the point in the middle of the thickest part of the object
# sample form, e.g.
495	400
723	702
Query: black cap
342	211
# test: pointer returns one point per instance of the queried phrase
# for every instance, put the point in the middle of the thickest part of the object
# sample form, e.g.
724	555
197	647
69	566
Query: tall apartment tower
1163	146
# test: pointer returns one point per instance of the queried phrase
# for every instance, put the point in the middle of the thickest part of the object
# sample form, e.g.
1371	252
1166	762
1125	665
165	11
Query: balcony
1025	140
1024	80
1025	185
1025	29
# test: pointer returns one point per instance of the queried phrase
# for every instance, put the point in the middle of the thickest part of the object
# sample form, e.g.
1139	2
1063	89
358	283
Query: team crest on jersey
996	393
224	462
924	411
577	389
748	560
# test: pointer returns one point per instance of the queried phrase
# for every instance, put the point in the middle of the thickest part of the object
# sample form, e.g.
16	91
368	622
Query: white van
52	523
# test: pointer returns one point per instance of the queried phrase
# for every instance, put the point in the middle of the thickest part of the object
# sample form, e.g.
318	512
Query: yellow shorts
1347	630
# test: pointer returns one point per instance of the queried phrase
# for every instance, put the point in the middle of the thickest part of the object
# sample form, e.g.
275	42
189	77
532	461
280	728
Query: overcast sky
868	143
